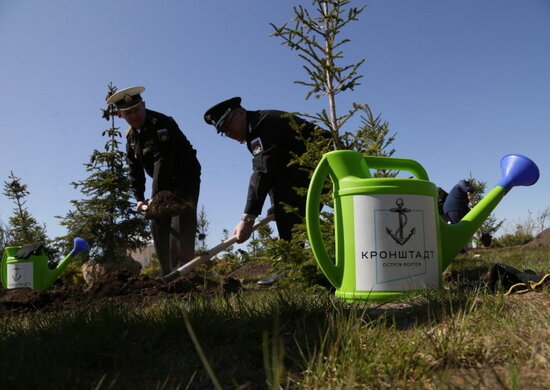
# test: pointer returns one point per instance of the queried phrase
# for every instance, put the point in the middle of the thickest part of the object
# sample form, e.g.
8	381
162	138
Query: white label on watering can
395	243
20	275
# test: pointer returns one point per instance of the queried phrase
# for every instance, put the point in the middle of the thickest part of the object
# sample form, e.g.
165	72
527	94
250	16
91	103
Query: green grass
461	337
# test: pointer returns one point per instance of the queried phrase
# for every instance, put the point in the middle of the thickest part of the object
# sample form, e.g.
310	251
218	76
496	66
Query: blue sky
462	83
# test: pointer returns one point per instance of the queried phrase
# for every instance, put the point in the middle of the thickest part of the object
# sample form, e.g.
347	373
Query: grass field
461	337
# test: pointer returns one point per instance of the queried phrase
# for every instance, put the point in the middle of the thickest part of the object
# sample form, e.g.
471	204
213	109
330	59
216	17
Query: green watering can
390	239
35	271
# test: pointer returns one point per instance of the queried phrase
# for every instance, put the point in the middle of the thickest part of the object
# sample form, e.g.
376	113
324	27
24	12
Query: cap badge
127	99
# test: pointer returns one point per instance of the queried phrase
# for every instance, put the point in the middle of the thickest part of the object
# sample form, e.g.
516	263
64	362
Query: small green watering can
390	239
35	271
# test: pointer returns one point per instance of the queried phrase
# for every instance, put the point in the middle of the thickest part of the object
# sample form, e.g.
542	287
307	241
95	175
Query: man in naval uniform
456	204
157	147
272	141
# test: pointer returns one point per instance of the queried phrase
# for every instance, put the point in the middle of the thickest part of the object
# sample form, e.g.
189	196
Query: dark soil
541	239
123	288
251	269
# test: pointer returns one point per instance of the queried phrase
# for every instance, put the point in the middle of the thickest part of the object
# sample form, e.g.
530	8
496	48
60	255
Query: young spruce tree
23	227
202	229
316	37
107	218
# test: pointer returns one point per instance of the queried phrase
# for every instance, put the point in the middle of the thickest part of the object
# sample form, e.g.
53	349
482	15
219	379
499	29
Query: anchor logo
399	236
17	275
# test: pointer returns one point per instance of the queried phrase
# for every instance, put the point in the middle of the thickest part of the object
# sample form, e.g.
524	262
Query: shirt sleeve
136	173
167	142
263	165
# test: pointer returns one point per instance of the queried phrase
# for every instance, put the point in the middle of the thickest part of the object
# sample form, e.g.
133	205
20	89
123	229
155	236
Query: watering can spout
516	170
80	245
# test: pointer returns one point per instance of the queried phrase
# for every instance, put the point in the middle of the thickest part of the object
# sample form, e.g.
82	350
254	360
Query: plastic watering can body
34	272
389	237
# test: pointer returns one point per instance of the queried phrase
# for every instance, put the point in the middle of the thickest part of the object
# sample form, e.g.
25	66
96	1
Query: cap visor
223	118
129	108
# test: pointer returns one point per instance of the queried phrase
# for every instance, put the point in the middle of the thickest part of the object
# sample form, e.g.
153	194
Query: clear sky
462	83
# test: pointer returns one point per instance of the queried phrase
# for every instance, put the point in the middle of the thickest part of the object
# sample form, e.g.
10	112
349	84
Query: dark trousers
286	221
174	237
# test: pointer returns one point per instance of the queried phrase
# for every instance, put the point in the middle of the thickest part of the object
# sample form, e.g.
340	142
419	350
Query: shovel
211	253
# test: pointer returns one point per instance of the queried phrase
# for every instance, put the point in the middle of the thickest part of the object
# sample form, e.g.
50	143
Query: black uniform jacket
271	140
162	151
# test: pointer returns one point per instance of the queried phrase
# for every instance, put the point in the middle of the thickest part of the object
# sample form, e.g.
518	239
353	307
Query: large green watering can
35	271
390	239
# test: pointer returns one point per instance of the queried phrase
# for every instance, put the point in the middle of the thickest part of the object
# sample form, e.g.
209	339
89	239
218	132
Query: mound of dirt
252	269
541	239
119	287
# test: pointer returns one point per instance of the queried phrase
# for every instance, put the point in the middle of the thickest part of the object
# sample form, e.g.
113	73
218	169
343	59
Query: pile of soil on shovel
165	204
119	287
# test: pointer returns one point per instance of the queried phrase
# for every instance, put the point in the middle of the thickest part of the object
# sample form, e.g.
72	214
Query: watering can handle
331	270
398	164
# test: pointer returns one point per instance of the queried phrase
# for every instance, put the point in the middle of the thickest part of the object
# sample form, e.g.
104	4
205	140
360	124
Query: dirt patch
122	287
541	239
252	269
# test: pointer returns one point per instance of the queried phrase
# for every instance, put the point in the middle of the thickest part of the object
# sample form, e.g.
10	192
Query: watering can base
372	296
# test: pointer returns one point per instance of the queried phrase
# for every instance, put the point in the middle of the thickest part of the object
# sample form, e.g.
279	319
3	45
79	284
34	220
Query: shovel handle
211	253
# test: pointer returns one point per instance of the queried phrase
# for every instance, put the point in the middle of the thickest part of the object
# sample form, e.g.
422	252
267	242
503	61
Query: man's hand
142	205
243	230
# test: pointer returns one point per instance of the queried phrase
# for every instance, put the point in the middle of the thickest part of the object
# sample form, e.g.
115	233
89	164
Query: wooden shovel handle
211	253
